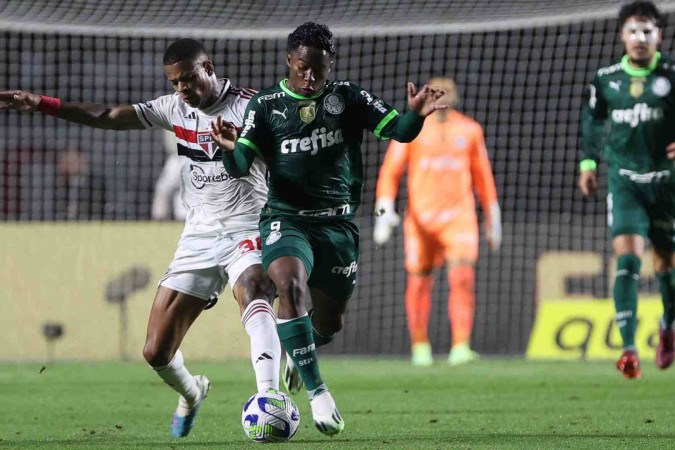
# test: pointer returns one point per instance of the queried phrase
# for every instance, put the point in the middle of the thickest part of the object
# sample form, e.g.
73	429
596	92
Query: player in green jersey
635	100
309	131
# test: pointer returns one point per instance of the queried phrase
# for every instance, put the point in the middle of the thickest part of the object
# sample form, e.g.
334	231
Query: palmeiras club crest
205	141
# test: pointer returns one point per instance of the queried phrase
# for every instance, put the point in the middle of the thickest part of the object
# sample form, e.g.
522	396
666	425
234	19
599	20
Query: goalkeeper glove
386	220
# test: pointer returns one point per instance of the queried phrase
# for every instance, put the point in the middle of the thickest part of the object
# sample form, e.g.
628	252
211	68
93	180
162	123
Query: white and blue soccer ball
270	416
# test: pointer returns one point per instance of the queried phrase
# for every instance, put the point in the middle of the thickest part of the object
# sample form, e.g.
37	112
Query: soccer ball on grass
270	416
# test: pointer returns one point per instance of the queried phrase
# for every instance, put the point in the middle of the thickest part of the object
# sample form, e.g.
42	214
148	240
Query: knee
254	288
462	277
292	289
329	325
628	264
157	356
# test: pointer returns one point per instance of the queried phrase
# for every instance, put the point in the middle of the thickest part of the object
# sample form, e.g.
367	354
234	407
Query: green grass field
385	403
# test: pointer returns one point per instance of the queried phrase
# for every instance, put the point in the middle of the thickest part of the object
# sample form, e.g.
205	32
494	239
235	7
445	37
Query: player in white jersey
220	241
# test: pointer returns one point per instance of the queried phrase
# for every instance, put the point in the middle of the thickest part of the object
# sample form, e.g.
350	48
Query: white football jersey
215	201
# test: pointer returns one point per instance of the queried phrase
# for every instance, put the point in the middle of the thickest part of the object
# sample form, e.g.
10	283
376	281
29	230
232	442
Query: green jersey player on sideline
636	97
309	133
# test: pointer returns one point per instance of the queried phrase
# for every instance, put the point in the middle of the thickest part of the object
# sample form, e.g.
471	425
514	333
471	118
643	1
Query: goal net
520	66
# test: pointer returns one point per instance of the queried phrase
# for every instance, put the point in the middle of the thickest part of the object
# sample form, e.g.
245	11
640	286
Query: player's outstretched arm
122	117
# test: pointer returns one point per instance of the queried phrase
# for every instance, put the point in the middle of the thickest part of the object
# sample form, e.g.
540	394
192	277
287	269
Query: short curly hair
184	50
641	9
311	34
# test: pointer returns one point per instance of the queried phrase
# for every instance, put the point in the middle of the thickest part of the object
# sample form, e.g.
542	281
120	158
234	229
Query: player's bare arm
122	117
425	101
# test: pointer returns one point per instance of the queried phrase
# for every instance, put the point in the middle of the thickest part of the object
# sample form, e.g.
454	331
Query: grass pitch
510	404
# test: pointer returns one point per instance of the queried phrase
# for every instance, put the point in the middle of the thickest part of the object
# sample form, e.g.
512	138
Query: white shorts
203	266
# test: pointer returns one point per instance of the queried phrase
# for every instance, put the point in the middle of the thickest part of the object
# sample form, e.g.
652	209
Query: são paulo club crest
205	141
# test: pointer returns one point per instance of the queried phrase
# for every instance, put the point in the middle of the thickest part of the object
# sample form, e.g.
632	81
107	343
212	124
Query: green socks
296	338
667	285
625	297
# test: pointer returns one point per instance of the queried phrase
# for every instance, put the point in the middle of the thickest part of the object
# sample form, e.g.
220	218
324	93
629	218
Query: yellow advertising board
573	327
68	275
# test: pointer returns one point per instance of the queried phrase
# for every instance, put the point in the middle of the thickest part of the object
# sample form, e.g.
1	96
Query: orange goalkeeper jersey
445	163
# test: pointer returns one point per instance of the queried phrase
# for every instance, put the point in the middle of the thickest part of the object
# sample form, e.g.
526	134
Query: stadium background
520	66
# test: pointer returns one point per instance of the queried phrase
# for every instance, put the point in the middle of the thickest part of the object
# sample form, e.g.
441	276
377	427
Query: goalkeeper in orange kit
446	163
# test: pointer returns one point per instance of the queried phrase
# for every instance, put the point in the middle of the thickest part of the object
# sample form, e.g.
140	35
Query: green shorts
328	249
644	204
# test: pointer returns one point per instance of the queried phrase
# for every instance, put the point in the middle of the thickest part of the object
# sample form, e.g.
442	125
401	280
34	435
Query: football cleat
461	354
184	416
326	417
665	351
292	378
421	354
629	365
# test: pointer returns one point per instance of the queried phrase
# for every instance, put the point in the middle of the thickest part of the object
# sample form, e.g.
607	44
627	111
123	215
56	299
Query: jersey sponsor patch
200	179
334	104
307	111
637	87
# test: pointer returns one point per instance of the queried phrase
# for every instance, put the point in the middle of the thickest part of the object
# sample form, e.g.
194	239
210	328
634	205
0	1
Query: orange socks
418	306
461	303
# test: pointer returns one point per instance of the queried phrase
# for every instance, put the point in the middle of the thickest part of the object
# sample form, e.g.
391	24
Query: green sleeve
405	128
593	120
238	162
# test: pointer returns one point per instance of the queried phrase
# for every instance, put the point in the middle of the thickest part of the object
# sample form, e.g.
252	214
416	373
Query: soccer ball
270	416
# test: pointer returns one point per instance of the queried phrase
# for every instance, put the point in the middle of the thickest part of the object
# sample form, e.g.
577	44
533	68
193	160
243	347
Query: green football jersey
312	145
639	106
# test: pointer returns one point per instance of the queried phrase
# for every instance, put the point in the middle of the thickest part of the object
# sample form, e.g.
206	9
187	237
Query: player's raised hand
670	151
425	101
223	133
588	182
19	100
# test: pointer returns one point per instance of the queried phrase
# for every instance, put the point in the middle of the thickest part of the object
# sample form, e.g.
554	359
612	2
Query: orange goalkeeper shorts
427	247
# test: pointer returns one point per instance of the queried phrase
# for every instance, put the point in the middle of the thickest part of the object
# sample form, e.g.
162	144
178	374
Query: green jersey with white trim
639	105
312	145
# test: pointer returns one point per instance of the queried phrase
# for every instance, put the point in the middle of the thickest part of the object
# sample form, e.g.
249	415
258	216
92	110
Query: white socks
177	376
261	325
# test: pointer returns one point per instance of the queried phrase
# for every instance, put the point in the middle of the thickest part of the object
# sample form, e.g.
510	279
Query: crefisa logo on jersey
205	141
334	104
661	86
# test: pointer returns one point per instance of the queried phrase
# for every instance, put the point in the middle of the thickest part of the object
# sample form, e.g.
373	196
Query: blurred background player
309	132
166	202
635	96
445	163
220	242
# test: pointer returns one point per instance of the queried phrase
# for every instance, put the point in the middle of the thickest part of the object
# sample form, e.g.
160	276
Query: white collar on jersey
217	105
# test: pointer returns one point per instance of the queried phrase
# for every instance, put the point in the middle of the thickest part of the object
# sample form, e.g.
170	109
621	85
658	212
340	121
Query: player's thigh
460	242
240	257
171	316
627	208
336	257
421	248
281	237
